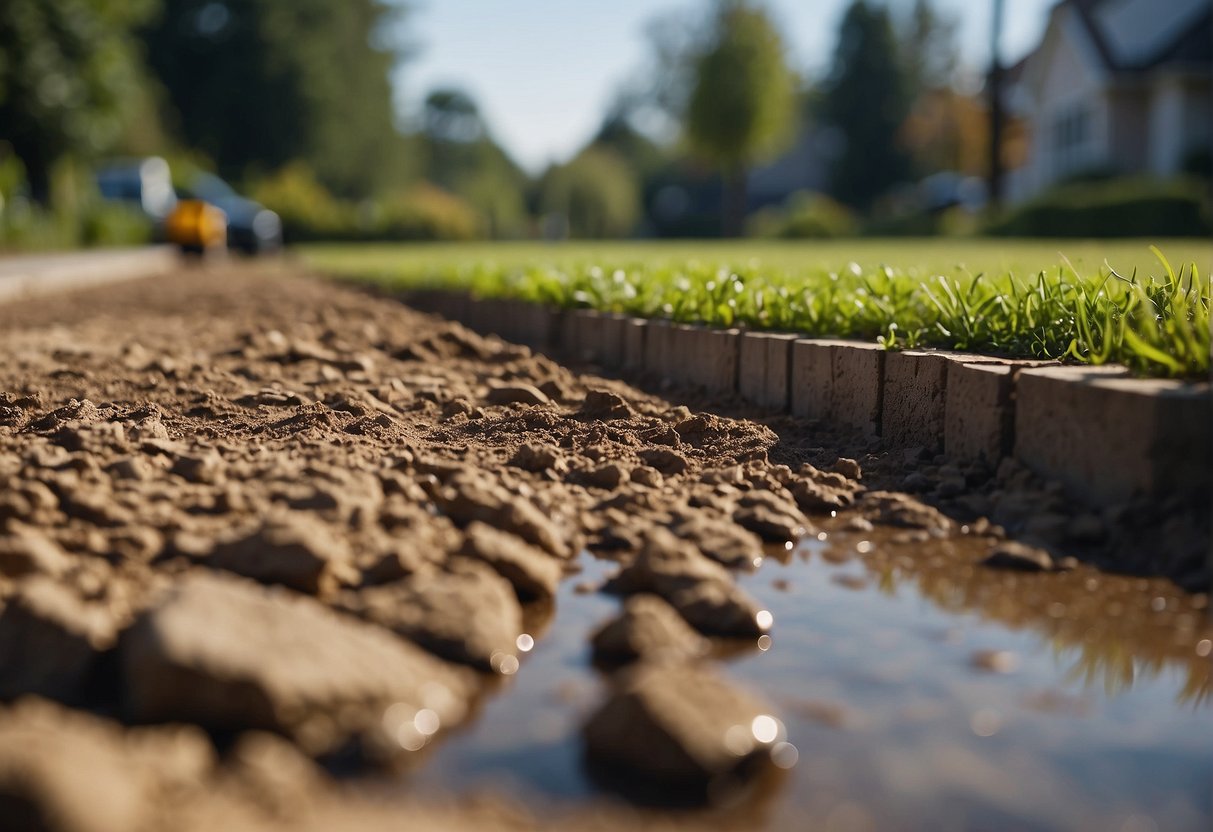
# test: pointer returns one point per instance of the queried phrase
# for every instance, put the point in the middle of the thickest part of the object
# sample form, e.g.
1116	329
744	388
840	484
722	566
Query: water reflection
918	688
1109	630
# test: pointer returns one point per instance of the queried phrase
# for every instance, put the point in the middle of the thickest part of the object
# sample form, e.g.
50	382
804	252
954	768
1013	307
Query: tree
71	82
458	153
866	98
741	101
597	193
256	84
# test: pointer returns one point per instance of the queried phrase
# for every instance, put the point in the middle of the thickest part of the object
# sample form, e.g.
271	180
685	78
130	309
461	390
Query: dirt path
318	528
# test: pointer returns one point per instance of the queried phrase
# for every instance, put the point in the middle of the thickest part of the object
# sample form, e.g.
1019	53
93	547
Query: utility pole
994	91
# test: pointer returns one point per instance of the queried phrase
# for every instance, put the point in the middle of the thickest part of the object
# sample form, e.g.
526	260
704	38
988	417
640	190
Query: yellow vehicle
196	226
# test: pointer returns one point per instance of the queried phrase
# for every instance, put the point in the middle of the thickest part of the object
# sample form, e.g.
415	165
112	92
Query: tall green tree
742	100
256	84
867	98
71	79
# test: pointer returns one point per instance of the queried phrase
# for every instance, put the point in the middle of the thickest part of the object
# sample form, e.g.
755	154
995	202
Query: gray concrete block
838	382
752	367
716	360
915	387
657	348
857	388
634	332
1110	438
979	413
778	371
611	337
764	367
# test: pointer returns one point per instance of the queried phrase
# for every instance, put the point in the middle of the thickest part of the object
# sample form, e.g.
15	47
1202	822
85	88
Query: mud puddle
919	688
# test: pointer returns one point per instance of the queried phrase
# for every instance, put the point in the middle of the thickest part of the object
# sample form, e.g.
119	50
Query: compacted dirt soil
264	540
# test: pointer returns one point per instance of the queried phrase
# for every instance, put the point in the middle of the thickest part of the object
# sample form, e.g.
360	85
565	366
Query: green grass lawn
1092	302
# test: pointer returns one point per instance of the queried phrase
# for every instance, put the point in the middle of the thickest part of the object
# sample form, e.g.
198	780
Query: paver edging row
1106	436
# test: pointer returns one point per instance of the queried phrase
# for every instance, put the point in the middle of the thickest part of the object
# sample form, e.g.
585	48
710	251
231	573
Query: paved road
36	274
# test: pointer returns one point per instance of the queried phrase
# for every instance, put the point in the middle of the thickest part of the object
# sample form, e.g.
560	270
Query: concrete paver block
716	359
838	382
778	371
764	362
979	414
1109	438
657	348
752	367
611	335
915	386
857	396
634	332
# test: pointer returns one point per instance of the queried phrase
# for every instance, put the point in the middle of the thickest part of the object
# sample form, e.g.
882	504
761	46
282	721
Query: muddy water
922	691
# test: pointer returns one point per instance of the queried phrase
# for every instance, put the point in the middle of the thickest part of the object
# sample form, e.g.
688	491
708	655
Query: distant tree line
293	99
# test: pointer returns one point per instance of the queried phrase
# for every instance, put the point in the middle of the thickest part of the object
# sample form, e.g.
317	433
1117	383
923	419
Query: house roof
1133	36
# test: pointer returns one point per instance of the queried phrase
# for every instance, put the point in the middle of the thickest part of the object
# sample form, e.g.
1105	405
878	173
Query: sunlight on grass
1089	302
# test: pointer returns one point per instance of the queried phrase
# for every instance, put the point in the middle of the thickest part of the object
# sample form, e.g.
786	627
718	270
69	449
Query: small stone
229	654
533	572
1013	555
888	508
603	404
200	468
648	628
849	468
720	539
294	549
681	726
26	551
70	771
700	589
609	476
771	517
469	614
666	461
50	641
536	458
504	393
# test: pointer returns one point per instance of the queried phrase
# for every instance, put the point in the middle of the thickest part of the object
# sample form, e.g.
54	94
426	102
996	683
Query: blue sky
544	71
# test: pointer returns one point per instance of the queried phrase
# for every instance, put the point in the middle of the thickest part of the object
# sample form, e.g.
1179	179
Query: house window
1071	133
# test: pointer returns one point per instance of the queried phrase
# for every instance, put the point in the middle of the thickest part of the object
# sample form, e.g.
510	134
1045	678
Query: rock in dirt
609	475
533	572
294	549
51	641
771	517
849	468
468	497
605	405
700	589
887	508
469	614
667	462
815	496
648	628
681	726
26	551
720	539
536	458
68	771
232	655
517	393
1011	554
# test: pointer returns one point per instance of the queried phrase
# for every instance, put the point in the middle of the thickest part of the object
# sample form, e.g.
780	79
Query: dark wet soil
370	548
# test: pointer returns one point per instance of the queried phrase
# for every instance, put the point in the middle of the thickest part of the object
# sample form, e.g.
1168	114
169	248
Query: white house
1115	85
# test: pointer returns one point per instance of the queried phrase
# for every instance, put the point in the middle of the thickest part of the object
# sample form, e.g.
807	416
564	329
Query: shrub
309	212
1127	207
804	216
